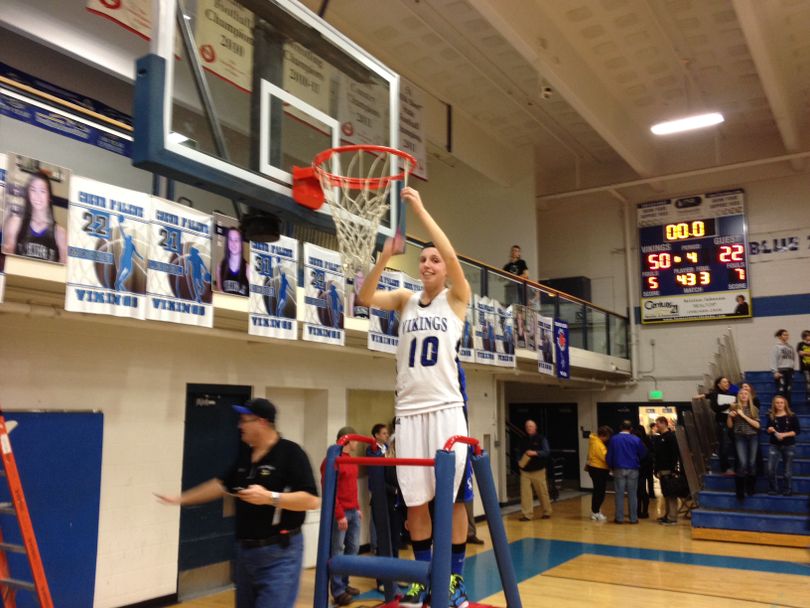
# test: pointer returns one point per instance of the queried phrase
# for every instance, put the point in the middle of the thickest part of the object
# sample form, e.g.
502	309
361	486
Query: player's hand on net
411	196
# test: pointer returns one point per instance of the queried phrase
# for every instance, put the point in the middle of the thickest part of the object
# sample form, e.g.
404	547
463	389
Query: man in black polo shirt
272	479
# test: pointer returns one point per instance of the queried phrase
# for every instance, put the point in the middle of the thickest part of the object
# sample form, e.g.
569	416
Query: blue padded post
442	528
500	544
325	528
382	567
380	519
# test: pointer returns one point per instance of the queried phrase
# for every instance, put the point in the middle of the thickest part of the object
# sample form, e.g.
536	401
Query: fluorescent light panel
698	121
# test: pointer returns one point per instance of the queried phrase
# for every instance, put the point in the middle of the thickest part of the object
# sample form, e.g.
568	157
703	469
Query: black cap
258	407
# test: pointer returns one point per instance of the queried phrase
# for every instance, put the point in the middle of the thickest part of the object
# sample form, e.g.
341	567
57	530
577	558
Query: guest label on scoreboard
694	258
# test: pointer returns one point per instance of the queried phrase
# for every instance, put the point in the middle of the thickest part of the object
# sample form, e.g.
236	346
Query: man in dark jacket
624	455
667	467
535	453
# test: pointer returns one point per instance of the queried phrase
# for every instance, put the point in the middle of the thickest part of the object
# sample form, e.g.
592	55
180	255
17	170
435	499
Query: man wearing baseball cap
272	480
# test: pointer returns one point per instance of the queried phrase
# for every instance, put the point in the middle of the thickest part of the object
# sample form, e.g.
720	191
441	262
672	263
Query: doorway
210	445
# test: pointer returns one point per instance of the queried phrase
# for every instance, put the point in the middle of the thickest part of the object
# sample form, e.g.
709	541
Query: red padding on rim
307	188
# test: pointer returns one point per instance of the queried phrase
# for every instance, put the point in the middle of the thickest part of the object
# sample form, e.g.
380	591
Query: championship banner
383	325
545	345
505	337
485	341
2	207
525	327
134	15
273	289
412	125
108	241
466	350
178	281
224	37
561	350
324	288
306	76
362	112
228	256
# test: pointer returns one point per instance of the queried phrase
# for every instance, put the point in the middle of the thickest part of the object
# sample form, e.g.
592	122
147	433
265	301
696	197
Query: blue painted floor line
533	556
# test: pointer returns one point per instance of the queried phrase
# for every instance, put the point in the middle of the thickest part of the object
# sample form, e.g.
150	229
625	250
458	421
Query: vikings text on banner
324	289
545	345
485	321
383	325
178	280
108	241
561	349
504	336
273	289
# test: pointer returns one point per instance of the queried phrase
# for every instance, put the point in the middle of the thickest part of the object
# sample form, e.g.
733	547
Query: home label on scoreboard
694	258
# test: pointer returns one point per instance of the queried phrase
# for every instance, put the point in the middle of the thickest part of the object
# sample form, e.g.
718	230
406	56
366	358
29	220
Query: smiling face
432	269
38	195
724	384
744	395
234	242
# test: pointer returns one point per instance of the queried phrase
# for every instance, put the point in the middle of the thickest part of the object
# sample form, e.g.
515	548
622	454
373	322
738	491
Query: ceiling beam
764	45
531	30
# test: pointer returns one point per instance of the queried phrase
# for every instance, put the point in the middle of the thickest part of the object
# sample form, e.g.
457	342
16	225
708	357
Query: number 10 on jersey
429	351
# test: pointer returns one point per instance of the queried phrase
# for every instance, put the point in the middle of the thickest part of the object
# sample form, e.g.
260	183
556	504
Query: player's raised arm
369	295
459	288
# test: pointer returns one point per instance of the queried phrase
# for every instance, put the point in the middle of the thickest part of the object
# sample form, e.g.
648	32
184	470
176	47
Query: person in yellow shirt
598	469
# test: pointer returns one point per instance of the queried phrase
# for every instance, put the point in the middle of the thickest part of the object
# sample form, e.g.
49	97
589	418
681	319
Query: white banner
224	37
306	76
781	245
273	289
179	278
697	306
545	345
324	289
108	241
2	223
504	336
485	322
134	15
383	325
525	327
466	350
412	125
363	112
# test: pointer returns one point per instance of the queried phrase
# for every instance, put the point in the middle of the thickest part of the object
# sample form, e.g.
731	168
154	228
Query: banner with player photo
2	207
561	349
228	257
525	327
273	289
383	325
324	289
35	217
108	241
485	322
466	350
178	281
504	336
545	345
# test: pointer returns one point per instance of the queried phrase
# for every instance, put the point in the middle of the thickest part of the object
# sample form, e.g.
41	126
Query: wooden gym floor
571	561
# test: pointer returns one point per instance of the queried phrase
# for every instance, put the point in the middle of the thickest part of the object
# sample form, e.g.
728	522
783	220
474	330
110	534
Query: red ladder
19	509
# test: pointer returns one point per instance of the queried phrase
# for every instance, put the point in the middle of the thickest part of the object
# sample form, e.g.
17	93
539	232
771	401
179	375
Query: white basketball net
357	185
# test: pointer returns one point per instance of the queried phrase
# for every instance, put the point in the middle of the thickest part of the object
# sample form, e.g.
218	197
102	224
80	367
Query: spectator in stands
645	473
720	398
743	420
624	455
533	462
783	426
803	350
752	390
516	265
598	470
667	468
783	360
346	534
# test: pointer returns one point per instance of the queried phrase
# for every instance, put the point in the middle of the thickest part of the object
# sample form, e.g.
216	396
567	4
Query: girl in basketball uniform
232	271
430	399
36	234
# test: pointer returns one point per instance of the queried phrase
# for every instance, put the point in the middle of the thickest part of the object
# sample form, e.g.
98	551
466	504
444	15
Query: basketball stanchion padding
356	181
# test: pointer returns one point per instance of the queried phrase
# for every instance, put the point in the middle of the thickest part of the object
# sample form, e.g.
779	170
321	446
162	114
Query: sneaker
458	597
415	596
352	590
524	518
601	516
667	522
344	599
595	517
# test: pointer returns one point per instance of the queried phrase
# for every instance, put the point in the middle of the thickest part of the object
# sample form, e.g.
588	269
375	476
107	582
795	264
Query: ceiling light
698	121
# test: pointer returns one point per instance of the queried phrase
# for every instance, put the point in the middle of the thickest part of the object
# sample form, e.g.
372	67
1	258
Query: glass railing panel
574	314
507	291
597	330
618	336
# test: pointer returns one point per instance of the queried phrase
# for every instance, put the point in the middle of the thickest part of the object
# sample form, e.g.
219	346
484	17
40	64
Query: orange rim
359	183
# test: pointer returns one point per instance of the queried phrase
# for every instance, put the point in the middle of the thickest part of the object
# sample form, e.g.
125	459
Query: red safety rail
26	528
462	439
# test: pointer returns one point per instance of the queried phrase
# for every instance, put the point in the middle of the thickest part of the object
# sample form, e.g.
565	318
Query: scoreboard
694	258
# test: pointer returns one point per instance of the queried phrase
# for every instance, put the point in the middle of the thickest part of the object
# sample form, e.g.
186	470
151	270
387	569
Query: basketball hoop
357	180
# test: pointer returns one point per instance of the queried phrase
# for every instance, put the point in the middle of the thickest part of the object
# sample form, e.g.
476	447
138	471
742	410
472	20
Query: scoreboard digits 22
694	258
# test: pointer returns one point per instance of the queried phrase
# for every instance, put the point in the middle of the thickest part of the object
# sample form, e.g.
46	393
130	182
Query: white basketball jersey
427	364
